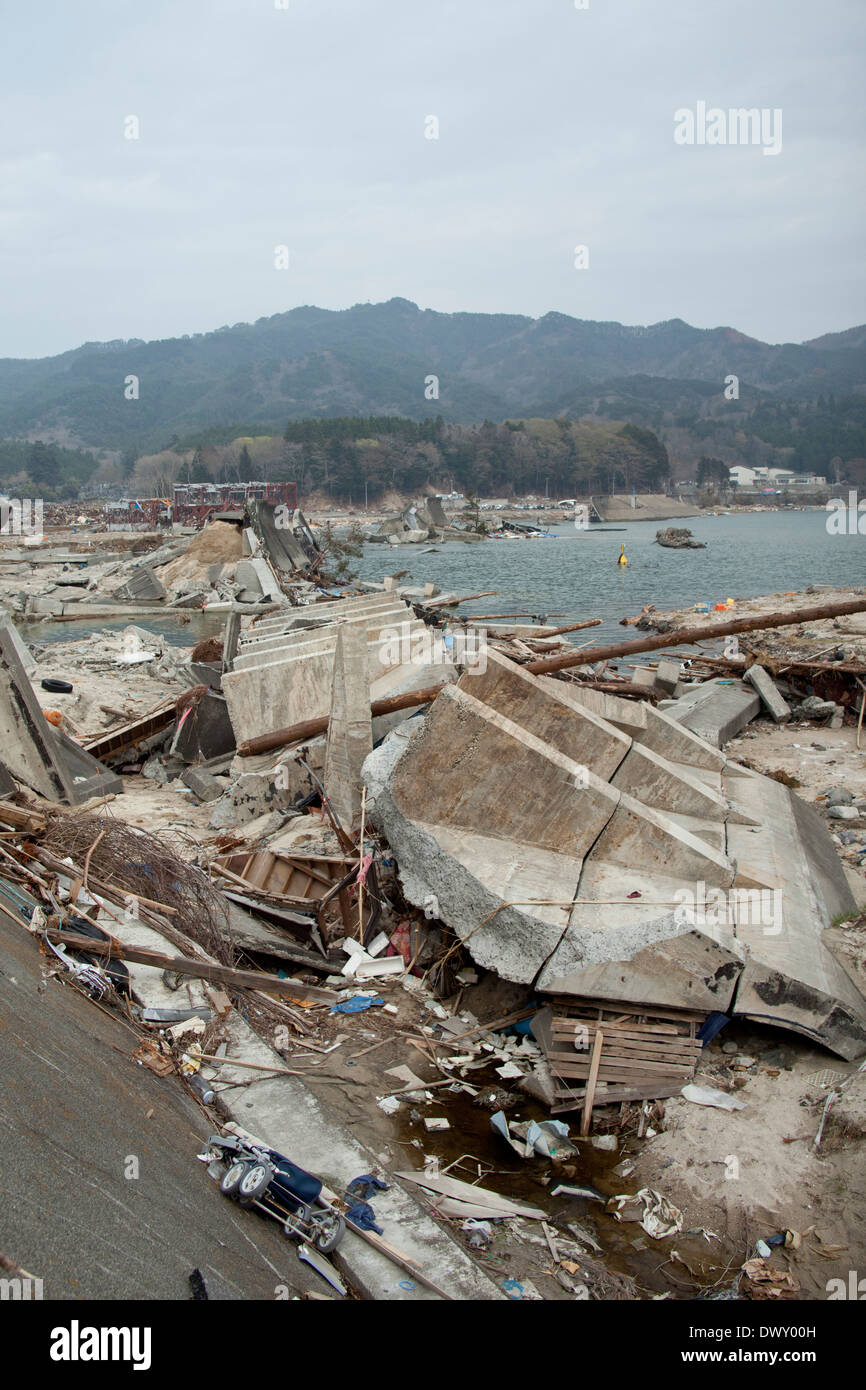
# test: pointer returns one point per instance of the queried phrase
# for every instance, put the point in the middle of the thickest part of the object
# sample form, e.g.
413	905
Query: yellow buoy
622	556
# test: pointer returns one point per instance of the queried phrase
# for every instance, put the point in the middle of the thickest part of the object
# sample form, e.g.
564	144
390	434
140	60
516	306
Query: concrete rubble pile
600	848
284	664
250	561
424	520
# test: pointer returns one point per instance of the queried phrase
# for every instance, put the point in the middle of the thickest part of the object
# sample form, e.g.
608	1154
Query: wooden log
309	728
570	627
709	631
201	969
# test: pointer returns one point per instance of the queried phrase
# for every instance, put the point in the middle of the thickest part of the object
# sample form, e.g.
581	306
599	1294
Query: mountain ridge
375	359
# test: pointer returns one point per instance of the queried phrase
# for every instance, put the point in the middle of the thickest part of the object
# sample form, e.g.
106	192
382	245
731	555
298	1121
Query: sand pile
209	557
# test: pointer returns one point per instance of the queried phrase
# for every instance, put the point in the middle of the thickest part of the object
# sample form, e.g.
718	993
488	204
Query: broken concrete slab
142	586
283	669
643	676
350	738
598	886
36	753
763	683
667	676
715	710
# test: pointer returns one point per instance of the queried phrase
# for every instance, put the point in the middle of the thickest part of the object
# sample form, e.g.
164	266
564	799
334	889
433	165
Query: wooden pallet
644	1054
303	880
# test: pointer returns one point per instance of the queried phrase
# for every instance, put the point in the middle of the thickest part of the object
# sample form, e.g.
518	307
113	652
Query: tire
302	1217
254	1182
231	1178
58	687
330	1229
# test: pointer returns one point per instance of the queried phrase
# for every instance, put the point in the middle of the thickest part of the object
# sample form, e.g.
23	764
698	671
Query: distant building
762	478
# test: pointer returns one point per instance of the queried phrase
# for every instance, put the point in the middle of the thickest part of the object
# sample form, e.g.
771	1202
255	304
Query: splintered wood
641	1055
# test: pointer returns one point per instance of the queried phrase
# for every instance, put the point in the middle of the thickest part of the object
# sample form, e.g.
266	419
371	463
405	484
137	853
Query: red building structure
194	503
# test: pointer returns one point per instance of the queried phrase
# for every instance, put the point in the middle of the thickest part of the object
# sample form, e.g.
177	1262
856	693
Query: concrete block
716	711
667	676
202	783
763	683
350	738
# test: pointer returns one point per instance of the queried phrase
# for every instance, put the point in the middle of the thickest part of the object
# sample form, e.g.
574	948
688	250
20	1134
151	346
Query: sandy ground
108	689
809	641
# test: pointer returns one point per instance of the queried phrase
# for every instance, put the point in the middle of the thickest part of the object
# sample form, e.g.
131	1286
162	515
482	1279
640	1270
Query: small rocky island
679	538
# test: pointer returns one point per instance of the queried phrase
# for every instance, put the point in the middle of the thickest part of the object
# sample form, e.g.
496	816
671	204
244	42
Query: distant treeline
37	469
560	457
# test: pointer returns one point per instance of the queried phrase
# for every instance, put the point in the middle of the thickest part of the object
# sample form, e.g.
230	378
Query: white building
772	477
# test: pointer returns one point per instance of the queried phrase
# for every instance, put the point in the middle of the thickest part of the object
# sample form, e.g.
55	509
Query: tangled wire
136	862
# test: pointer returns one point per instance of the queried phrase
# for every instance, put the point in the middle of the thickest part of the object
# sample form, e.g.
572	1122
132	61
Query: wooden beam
591	1082
201	969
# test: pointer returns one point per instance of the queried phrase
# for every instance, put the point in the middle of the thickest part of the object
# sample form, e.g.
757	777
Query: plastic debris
358	1004
657	1216
709	1095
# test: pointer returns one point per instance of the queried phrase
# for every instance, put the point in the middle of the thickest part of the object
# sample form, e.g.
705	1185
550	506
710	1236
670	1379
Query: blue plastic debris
513	1288
357	1005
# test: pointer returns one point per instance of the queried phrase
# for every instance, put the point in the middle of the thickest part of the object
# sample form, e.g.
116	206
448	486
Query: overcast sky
305	126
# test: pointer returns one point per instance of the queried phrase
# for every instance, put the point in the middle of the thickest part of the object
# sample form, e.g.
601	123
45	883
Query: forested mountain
378	358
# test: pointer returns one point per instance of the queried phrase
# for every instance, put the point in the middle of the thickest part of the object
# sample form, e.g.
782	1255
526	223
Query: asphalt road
75	1110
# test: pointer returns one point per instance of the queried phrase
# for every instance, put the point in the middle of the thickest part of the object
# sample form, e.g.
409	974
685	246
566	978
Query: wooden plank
650	1054
625	1057
611	1072
613	1095
595	1061
201	969
661	1032
687	1045
566	1005
579	1066
665	1030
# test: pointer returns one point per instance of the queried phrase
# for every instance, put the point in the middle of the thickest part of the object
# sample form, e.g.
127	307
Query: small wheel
231	1178
330	1229
254	1183
297	1225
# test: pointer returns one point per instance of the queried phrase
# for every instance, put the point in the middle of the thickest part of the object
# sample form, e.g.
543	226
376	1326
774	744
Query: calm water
576	573
177	631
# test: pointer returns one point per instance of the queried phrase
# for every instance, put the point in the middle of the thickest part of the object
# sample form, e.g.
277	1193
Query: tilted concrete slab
791	978
679	969
715	710
638	885
350	738
460	769
763	682
36	753
543	709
